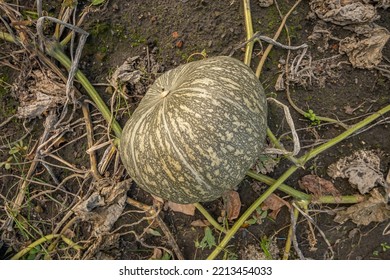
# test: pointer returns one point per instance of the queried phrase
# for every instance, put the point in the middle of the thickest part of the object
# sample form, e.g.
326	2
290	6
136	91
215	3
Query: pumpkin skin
197	131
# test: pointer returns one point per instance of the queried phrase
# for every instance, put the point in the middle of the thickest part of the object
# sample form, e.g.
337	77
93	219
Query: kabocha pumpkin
197	131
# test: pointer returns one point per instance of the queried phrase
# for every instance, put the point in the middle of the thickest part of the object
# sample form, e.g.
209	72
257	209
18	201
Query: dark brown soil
130	28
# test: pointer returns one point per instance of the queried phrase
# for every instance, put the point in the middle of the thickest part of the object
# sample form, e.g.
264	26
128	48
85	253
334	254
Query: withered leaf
318	186
344	12
188	209
200	223
274	203
232	204
362	169
365	53
374	209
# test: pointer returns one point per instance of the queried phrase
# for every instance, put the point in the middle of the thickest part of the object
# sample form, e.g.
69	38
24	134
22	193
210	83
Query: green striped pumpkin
197	131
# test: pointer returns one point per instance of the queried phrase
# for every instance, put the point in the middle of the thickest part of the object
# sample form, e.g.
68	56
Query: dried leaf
104	206
374	209
265	3
344	12
188	209
232	204
349	110
127	72
200	223
318	186
41	91
362	169
365	52
274	203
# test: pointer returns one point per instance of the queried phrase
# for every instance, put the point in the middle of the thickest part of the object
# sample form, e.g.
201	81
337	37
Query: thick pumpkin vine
54	50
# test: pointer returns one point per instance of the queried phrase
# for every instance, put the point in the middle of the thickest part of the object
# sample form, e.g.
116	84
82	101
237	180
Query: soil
169	33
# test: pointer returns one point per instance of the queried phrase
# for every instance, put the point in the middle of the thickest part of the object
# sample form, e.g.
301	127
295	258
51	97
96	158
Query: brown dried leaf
41	91
318	186
232	204
279	85
365	52
188	209
362	169
274	203
104	206
344	12
374	209
200	223
127	72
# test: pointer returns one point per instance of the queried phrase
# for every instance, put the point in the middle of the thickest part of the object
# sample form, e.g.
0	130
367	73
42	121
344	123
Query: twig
7	120
310	219
161	224
33	245
89	128
294	217
291	237
106	158
171	239
271	41
67	226
50	171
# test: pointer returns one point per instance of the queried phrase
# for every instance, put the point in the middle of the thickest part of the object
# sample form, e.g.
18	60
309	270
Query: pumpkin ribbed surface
197	130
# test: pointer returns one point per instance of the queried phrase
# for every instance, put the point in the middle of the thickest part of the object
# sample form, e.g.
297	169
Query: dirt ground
163	34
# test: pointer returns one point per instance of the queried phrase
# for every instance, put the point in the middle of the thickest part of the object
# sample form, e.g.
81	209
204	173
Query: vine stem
302	160
249	32
287	247
43	240
298	195
208	217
